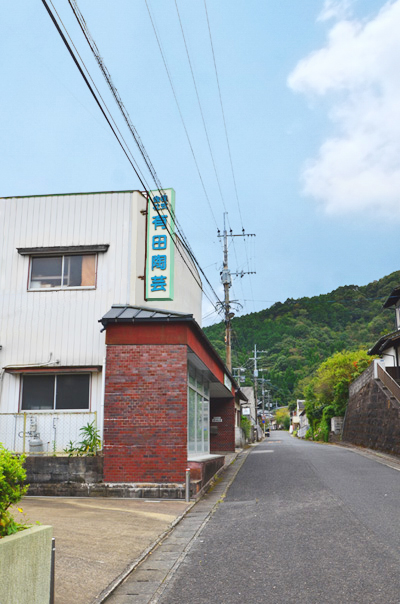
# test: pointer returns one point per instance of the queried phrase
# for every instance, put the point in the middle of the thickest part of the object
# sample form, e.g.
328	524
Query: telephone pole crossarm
226	279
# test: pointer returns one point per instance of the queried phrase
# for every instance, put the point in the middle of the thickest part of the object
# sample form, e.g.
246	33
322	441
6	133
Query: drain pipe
103	391
187	485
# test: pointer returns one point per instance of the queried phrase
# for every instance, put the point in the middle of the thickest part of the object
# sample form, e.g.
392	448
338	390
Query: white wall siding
64	323
34	324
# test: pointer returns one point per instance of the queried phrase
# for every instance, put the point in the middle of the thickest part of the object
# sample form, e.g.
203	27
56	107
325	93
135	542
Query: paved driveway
97	538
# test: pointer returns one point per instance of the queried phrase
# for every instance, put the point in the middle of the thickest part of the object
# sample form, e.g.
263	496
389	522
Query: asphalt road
302	522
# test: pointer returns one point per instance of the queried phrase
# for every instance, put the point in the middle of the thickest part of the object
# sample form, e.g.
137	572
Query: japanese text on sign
160	246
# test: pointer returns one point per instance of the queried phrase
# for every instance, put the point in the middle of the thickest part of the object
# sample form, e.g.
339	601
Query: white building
64	261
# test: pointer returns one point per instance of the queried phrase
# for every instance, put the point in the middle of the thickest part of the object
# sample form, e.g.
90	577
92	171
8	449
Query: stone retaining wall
372	417
361	381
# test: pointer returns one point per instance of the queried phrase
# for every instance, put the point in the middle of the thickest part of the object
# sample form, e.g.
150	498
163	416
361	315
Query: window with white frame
41	392
198	413
62	272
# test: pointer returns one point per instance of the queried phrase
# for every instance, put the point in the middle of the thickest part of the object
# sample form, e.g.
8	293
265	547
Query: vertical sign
160	245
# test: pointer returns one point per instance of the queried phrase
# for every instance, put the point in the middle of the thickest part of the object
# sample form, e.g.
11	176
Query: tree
327	393
282	418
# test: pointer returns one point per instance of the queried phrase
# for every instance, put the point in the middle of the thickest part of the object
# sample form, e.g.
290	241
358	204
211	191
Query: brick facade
224	440
145	413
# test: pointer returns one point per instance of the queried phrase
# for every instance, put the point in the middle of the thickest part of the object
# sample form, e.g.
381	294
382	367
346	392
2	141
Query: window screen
59	392
37	392
72	392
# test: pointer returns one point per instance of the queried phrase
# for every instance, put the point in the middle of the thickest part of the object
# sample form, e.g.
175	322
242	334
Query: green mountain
299	334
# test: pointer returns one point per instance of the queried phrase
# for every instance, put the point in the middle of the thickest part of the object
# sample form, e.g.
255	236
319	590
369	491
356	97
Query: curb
133	565
163	585
102	597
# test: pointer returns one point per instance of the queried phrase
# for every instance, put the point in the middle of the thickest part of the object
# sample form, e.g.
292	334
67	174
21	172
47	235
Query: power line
180	112
227	137
223	112
98	92
90	88
145	187
93	46
107	76
200	107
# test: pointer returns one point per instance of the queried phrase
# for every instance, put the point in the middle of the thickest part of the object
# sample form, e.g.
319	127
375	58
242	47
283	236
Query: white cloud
335	9
358	169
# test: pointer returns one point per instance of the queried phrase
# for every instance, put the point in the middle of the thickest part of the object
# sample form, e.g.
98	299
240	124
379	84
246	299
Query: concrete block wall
224	440
145	413
44	469
372	418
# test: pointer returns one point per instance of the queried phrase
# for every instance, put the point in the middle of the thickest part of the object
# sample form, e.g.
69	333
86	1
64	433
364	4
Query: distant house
299	419
388	346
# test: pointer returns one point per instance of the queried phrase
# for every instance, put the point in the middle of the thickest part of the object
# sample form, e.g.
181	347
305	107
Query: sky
311	99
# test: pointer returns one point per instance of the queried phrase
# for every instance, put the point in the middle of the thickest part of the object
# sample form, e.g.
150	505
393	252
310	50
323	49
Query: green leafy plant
12	489
90	443
327	392
245	424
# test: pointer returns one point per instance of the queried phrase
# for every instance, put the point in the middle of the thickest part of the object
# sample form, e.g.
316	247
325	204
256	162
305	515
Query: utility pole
226	278
255	373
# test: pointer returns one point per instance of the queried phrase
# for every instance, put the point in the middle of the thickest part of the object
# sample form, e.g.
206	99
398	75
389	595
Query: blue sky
311	96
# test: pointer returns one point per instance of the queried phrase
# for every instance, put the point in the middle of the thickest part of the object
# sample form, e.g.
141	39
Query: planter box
25	566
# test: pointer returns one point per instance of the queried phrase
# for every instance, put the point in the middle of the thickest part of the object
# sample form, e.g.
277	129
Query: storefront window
198	414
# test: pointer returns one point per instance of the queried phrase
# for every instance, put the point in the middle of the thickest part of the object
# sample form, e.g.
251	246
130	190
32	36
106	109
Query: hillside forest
298	335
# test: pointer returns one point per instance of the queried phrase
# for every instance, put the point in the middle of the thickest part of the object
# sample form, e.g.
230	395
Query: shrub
309	434
12	489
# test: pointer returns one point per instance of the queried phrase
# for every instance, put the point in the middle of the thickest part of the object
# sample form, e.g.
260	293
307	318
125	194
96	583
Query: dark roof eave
241	396
393	298
384	342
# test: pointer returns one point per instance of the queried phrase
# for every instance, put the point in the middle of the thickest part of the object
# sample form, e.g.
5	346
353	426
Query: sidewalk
100	540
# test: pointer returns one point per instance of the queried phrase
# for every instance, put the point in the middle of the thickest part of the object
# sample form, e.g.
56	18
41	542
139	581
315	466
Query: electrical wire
119	141
223	112
107	76
92	44
90	88
226	136
200	106
98	92
180	112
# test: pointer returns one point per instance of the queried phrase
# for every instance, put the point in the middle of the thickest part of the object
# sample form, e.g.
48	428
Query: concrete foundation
25	564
